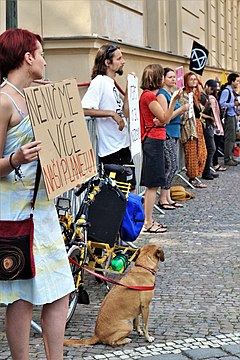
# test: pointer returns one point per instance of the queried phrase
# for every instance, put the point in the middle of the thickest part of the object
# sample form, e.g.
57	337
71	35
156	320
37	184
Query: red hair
196	91
14	44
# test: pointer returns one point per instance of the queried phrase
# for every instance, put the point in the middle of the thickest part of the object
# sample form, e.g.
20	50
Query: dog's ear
160	254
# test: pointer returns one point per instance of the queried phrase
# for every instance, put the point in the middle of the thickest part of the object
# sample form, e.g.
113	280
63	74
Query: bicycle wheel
75	254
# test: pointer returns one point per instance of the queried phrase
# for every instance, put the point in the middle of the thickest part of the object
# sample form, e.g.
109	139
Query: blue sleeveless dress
53	278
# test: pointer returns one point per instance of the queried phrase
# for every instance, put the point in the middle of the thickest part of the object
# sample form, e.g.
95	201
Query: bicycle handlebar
81	189
118	169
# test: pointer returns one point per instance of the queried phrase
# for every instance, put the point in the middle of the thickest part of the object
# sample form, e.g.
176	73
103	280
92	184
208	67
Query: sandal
161	225
166	206
155	228
219	168
176	205
198	185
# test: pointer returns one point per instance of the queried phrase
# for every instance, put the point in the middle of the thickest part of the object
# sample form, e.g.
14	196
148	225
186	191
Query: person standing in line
21	62
218	127
192	132
102	101
172	137
233	81
208	128
153	134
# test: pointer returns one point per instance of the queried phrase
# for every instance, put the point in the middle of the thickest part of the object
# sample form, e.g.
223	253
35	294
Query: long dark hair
104	53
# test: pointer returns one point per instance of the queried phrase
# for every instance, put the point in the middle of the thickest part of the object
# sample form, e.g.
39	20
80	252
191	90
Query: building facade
148	31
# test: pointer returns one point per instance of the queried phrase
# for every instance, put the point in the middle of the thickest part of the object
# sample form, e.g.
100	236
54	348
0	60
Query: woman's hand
177	94
157	122
26	153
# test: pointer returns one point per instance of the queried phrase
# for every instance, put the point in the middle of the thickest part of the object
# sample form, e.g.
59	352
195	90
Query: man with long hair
103	101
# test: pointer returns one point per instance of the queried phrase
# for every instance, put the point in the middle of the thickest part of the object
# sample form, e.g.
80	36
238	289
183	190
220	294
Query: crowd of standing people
170	121
187	121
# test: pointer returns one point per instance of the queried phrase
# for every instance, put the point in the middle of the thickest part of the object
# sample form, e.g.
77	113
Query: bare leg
165	199
164	196
149	200
54	317
18	324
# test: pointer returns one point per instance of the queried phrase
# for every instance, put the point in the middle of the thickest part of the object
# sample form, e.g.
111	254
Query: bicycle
94	255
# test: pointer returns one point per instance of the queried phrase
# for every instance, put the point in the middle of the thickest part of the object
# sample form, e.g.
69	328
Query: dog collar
152	271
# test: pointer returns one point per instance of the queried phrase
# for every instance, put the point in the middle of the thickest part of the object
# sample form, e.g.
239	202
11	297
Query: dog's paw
140	332
150	338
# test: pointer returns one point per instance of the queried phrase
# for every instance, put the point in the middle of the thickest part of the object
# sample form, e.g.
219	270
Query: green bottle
119	262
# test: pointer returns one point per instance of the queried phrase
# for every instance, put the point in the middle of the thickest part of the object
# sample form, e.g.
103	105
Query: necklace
5	81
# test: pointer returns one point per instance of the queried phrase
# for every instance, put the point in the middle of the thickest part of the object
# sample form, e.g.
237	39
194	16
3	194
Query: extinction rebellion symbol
198	59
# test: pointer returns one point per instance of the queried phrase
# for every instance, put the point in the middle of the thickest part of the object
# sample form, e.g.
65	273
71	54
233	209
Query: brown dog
122	306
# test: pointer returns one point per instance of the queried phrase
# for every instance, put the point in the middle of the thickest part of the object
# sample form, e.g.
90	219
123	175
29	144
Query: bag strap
36	186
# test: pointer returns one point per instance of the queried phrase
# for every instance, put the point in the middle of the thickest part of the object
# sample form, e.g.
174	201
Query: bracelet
16	169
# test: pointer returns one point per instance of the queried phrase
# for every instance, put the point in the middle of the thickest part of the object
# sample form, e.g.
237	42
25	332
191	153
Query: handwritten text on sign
58	121
135	133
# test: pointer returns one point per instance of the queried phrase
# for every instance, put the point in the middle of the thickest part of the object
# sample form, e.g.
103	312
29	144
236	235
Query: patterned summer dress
53	278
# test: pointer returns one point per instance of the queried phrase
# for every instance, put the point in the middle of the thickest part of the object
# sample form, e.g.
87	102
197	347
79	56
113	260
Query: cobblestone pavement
196	306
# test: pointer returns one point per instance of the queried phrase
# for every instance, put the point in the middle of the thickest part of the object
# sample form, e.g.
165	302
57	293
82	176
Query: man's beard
120	71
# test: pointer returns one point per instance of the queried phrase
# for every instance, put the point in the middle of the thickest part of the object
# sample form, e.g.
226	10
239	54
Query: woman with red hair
192	132
21	62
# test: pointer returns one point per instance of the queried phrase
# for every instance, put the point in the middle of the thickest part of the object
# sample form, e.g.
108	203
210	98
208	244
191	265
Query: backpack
133	219
223	113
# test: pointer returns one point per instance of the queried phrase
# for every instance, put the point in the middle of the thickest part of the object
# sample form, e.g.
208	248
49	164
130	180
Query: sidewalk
195	312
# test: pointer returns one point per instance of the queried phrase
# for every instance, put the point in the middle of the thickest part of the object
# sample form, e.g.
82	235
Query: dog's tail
79	342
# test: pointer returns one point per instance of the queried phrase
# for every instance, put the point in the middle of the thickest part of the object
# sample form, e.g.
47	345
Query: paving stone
197	296
232	349
200	354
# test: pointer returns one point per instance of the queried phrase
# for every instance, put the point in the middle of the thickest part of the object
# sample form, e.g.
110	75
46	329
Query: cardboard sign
134	115
179	77
57	119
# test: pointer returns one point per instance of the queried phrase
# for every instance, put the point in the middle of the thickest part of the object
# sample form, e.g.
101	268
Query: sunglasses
111	49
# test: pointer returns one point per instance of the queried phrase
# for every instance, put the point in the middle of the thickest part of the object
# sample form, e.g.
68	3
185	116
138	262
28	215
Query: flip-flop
160	225
166	206
177	205
221	168
154	229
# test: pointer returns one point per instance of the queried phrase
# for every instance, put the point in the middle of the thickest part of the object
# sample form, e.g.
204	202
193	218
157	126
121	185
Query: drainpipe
11	14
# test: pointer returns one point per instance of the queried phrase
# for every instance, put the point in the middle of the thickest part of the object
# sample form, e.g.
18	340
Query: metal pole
11	14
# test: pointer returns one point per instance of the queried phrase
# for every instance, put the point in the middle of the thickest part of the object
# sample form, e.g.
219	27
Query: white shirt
102	94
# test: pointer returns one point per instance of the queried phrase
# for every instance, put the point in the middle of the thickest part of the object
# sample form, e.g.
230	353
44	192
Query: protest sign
134	116
179	77
57	119
198	58
191	105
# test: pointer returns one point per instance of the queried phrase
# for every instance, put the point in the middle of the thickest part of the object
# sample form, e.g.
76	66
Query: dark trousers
229	137
211	148
219	141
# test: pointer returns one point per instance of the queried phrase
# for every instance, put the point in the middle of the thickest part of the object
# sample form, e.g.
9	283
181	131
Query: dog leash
105	278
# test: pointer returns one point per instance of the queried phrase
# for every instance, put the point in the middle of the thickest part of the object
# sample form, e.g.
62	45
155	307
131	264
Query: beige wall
147	30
